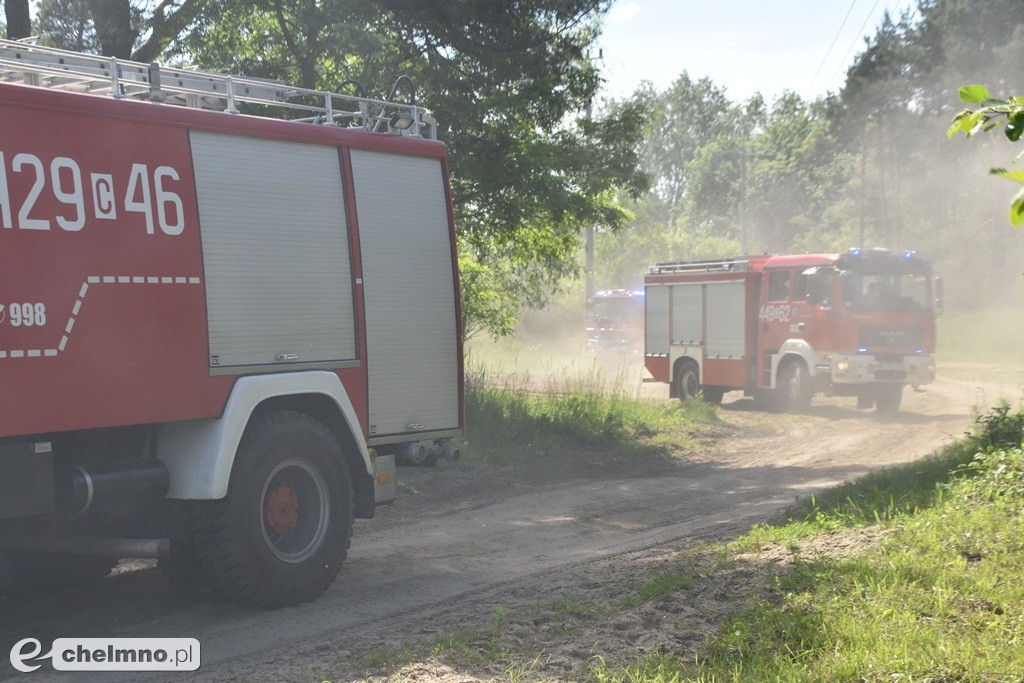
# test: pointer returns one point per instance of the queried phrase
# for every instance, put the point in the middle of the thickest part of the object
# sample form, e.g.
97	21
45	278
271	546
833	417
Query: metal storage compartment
275	251
409	292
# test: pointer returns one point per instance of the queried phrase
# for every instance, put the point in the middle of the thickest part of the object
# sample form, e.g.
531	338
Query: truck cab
860	323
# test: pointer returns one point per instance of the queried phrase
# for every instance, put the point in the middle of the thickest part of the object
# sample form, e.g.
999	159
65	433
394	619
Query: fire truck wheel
888	398
282	532
687	380
793	390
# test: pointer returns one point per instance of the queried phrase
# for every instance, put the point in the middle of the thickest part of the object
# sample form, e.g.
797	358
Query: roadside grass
886	495
513	416
983	336
937	598
911	574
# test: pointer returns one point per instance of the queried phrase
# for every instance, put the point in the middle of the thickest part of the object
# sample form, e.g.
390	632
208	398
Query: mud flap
385	488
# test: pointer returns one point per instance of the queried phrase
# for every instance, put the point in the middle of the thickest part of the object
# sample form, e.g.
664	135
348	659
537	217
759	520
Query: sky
745	46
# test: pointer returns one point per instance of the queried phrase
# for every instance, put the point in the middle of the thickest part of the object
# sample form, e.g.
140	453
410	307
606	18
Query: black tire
793	388
888	398
183	567
280	535
687	380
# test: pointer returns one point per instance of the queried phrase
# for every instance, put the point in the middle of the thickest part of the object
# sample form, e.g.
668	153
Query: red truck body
858	323
186	292
615	321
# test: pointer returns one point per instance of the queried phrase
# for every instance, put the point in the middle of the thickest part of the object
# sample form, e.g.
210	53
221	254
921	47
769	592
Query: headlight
842	366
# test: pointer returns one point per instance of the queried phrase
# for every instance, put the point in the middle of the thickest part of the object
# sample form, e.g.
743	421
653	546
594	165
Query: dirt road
464	539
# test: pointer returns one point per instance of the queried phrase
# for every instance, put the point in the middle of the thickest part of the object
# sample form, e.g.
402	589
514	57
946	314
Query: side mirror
940	296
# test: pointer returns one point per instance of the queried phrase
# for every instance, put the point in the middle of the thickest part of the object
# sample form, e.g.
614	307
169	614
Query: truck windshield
903	292
616	310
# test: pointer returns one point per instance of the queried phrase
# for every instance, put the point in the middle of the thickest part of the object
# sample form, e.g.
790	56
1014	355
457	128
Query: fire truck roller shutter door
275	251
408	285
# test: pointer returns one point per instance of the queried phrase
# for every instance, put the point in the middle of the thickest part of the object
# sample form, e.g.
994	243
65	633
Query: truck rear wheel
687	380
281	534
888	398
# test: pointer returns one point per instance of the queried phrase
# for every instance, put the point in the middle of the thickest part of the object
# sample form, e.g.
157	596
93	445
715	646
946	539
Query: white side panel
726	324
409	289
656	319
275	250
687	314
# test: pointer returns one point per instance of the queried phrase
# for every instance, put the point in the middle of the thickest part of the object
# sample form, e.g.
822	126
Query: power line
854	43
829	52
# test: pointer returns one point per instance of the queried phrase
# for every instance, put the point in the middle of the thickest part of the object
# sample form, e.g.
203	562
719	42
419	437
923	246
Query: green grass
986	336
891	493
513	416
664	583
938	598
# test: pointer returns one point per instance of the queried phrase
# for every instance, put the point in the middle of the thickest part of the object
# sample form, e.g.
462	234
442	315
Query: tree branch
167	25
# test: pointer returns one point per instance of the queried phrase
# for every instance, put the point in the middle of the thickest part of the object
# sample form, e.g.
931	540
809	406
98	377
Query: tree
990	114
19	21
67	24
116	28
509	84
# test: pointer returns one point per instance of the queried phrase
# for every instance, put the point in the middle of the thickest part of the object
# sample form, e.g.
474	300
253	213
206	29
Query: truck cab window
778	285
814	286
906	292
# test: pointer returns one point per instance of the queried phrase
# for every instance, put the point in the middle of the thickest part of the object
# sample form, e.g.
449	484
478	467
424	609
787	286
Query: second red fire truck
783	327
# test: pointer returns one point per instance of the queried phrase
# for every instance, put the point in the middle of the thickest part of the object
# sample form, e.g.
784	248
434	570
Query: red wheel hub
282	510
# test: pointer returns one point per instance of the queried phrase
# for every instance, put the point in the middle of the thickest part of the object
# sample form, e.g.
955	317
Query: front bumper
865	369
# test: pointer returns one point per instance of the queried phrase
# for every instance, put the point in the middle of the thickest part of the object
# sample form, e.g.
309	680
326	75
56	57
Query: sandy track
460	541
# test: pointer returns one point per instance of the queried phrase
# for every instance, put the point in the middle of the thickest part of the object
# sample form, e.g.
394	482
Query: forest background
538	155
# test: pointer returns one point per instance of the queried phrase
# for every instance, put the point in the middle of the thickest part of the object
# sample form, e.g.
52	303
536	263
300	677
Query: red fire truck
217	330
615	321
784	327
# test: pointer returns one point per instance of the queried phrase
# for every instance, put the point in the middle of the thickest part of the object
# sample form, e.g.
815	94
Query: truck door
813	308
774	316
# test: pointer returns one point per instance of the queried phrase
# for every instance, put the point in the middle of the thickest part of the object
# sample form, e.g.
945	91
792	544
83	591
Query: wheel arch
200	453
794	350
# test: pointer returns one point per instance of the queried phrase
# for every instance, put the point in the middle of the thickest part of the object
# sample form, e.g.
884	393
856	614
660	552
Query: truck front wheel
793	387
281	534
888	398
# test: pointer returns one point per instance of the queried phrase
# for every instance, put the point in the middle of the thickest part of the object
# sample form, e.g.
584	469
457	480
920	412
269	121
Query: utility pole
743	197
863	176
589	263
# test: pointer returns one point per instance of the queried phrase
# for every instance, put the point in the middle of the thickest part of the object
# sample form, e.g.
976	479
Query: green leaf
1017	209
1006	173
994	103
970	121
1015	126
973	94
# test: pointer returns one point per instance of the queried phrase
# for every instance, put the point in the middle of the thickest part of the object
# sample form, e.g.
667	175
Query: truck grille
890	335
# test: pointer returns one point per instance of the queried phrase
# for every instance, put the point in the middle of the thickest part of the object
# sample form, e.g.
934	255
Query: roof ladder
47	67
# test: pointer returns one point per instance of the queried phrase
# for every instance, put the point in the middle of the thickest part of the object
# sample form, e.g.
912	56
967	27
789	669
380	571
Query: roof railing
713	266
38	65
